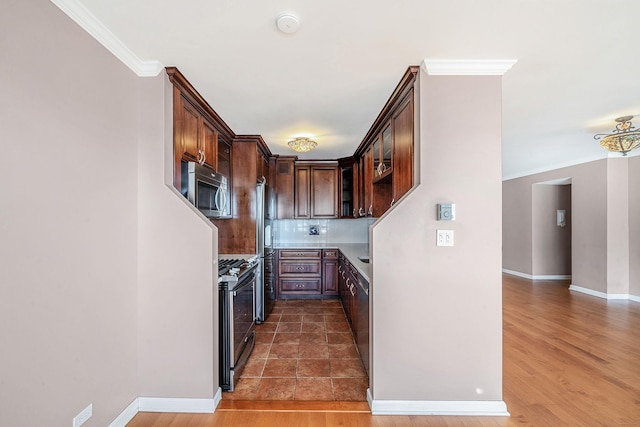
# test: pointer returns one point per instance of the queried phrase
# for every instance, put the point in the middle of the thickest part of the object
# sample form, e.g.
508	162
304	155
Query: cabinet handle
371	209
393	201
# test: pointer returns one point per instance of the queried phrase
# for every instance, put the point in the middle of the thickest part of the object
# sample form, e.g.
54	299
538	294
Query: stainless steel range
236	287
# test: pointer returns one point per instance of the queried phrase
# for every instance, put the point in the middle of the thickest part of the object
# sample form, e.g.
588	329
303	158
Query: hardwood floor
569	360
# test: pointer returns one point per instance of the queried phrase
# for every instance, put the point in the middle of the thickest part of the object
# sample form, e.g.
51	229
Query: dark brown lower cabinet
330	272
300	273
327	273
309	273
297	286
362	322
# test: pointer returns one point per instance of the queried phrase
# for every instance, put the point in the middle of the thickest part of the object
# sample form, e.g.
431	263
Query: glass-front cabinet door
377	156
387	148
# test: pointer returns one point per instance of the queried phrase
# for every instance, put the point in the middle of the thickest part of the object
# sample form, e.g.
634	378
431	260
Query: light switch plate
444	237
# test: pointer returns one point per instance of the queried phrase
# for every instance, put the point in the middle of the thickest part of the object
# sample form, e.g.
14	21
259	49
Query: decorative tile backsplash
322	230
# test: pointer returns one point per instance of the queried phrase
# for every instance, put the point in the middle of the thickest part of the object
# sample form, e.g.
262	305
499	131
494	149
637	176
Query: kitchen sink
364	259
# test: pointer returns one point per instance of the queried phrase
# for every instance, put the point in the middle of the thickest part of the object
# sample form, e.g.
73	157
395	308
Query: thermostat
446	211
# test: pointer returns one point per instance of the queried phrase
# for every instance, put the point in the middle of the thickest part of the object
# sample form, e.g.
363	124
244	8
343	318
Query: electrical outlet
444	237
83	416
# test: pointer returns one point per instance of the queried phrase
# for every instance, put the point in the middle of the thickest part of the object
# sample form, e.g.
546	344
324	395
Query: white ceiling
578	66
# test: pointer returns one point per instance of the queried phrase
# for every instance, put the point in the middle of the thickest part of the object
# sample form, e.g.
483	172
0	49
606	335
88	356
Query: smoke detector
287	22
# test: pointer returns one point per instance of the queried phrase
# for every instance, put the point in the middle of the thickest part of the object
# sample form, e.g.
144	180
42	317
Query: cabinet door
403	149
224	159
189	126
376	155
360	205
262	168
324	192
347	193
302	186
284	188
209	145
330	277
368	181
387	149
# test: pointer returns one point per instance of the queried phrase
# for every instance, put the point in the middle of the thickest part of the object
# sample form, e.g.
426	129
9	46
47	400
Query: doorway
551	230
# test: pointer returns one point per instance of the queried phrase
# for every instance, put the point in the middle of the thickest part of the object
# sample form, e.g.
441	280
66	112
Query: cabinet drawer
300	253
330	253
308	286
300	267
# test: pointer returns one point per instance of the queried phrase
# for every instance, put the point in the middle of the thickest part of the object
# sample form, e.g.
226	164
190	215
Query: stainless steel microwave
206	190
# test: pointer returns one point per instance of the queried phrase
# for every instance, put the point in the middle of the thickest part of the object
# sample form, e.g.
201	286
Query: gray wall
437	317
618	226
517	217
604	243
177	305
106	273
68	204
634	226
551	244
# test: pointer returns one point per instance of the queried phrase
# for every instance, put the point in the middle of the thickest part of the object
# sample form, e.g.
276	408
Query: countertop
350	250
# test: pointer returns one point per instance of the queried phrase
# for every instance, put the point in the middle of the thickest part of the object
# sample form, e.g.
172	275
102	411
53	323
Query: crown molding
467	67
83	17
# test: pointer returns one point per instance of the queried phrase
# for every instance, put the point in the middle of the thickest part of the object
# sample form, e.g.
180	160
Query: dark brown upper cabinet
197	128
348	175
386	154
284	174
316	190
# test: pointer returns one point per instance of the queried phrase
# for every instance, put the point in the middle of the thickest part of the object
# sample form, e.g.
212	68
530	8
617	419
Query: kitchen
405	283
289	229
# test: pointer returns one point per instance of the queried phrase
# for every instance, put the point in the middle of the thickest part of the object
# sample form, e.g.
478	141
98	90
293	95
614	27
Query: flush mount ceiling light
302	144
622	139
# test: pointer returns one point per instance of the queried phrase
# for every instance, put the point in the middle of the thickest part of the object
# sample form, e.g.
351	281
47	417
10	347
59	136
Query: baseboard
127	415
170	404
538	276
489	408
166	404
217	398
604	295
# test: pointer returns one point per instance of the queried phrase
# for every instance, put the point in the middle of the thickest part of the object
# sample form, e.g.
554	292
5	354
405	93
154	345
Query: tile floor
304	351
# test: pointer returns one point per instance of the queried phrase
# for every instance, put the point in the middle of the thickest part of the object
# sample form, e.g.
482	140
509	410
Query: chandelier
622	139
302	144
